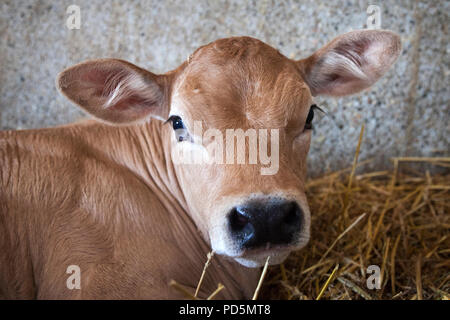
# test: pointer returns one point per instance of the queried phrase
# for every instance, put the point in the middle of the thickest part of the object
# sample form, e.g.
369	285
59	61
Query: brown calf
108	196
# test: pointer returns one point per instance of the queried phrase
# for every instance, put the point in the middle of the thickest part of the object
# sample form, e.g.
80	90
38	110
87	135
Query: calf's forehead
242	81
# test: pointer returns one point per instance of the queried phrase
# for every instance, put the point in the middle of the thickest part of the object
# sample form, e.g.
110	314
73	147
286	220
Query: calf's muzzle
267	223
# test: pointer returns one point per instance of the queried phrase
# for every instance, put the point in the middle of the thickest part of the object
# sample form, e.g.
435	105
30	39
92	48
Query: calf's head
241	115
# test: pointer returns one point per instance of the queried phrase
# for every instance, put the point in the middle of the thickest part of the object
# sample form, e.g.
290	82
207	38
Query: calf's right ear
116	91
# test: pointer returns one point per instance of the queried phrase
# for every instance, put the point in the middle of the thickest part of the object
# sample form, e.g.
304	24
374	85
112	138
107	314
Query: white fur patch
336	61
122	85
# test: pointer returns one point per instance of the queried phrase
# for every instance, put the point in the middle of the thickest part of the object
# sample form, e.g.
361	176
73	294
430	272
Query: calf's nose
258	223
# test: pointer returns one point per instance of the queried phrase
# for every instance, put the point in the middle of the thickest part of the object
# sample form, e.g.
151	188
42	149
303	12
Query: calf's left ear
116	91
351	62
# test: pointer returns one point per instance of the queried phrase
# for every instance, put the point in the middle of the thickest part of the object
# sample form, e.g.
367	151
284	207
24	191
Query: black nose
258	223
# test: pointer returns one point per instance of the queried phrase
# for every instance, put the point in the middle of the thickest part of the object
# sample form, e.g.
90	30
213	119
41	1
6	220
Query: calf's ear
351	62
116	91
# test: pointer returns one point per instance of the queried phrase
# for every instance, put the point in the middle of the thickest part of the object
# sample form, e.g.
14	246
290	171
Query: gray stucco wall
406	112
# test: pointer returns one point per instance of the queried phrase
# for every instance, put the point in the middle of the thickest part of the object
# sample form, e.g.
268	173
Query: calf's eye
181	133
177	123
310	117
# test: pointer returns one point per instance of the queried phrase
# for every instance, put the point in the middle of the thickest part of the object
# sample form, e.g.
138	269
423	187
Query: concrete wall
407	112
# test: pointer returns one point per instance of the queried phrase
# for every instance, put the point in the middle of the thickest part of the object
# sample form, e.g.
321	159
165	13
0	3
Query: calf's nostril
240	225
292	213
238	220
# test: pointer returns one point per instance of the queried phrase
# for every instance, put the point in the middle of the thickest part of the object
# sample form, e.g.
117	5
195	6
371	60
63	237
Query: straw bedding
395	220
